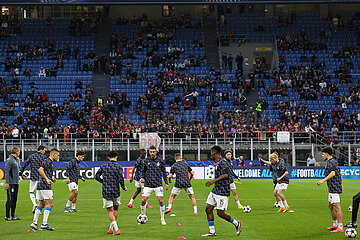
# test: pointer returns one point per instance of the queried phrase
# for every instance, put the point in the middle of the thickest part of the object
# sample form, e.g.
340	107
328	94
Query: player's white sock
33	199
68	203
281	204
235	222
37	214
285	203
143	209
131	201
169	206
111	226
340	225
115	226
46	215
73	206
238	203
211	226
335	223
162	211
195	209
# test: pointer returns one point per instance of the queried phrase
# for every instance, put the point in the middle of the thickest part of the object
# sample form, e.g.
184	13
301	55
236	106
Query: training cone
177	224
31	230
181	237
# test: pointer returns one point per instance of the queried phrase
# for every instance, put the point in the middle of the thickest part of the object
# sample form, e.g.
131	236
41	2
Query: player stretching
35	161
233	176
73	176
112	176
151	175
219	196
136	171
354	213
44	192
181	169
334	182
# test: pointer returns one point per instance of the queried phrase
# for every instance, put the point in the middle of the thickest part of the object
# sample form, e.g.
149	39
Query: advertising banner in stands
89	169
148	139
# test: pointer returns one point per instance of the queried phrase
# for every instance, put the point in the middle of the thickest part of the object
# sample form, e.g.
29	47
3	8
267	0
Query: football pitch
309	220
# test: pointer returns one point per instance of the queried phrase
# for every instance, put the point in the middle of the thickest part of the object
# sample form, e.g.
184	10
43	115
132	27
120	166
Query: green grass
309	221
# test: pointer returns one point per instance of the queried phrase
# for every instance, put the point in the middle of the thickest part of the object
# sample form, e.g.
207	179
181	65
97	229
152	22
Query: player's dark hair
227	150
152	147
80	153
112	154
142	150
15	150
41	147
177	155
54	150
217	149
327	150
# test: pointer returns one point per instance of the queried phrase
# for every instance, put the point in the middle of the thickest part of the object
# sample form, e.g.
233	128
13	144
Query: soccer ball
142	219
350	208
276	205
247	209
350	233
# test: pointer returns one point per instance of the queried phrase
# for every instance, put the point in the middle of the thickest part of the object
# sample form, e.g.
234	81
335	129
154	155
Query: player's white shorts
281	186
176	191
108	203
232	186
138	184
220	202
73	186
33	185
42	195
334	198
159	191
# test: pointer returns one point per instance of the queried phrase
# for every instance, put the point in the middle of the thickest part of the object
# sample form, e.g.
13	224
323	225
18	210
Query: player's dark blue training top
222	187
35	160
112	176
153	172
139	165
232	174
181	169
334	184
72	171
280	170
49	172
273	171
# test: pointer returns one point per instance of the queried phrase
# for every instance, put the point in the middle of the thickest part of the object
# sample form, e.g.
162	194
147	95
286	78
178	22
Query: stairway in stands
210	33
101	83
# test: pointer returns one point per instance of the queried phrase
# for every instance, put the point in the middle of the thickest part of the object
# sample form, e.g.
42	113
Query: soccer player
274	175
73	176
334	182
12	183
44	192
112	176
181	169
219	196
136	175
232	176
354	213
35	161
151	175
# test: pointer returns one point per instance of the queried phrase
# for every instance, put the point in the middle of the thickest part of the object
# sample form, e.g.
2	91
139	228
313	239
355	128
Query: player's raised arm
25	164
265	162
98	175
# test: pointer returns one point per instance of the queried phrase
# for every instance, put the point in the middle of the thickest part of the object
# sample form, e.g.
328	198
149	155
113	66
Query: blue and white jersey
334	184
153	172
139	165
222	187
112	176
49	172
181	170
72	171
35	160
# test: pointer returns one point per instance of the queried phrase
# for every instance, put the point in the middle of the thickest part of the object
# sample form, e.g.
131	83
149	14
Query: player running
334	182
219	196
136	175
35	161
181	169
44	192
112	176
73	176
228	155
151	175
